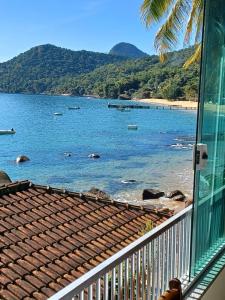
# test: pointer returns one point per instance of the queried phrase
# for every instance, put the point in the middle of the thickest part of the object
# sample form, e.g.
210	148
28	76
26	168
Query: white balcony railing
143	269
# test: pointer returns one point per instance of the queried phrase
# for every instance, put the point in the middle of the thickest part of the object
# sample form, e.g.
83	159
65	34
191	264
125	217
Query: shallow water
157	155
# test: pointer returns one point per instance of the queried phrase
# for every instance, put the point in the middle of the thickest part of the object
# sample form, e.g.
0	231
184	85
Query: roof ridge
88	196
14	187
18	186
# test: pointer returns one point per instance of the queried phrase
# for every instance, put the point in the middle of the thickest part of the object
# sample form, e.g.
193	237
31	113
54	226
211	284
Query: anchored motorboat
73	107
10	131
58	114
132	127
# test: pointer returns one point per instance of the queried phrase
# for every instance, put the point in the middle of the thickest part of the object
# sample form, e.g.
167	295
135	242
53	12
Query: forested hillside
36	69
53	70
143	78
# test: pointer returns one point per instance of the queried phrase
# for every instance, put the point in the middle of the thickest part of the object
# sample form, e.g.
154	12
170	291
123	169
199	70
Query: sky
94	25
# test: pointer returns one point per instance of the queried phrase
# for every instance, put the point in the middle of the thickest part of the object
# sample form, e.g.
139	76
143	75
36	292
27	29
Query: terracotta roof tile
50	237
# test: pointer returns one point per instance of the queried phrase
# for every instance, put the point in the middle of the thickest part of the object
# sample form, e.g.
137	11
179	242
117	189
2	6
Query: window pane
209	207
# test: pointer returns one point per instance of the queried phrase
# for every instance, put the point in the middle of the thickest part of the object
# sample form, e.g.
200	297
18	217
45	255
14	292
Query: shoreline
166	102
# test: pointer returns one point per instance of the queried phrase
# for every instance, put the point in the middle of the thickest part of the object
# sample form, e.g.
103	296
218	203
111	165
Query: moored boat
73	107
132	127
10	131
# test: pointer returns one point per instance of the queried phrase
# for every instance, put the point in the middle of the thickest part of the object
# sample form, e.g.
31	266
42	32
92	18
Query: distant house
50	237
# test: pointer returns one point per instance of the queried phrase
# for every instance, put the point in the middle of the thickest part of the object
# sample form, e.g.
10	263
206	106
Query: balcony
141	270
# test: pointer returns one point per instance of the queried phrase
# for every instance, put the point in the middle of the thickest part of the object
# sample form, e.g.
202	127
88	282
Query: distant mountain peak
127	50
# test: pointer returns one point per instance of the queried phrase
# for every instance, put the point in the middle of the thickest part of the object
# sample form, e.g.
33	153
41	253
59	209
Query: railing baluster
120	282
90	292
178	250
113	284
126	280
143	290
158	267
106	286
153	268
149	266
173	252
138	275
162	261
132	279
98	289
81	296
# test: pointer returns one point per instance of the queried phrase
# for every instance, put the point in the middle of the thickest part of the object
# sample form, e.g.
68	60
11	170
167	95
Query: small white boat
58	114
11	131
73	107
132	127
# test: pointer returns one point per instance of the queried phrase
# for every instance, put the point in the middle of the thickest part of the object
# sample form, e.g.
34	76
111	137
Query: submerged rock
152	194
4	178
22	158
94	155
176	195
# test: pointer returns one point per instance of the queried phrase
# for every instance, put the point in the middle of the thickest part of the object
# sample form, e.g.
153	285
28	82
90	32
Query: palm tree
180	18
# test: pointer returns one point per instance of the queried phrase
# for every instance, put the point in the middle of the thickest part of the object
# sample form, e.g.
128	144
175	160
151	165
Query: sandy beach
165	102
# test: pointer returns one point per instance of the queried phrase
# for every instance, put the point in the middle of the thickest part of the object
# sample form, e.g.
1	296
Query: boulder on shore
100	194
22	158
4	178
176	195
152	194
124	97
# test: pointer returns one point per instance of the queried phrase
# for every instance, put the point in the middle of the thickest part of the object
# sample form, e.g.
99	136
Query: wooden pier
163	107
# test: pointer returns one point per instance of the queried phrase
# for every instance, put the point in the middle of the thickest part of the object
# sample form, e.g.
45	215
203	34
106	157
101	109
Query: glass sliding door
208	235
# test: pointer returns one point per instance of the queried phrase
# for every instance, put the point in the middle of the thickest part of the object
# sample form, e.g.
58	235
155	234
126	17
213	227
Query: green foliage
52	70
148	227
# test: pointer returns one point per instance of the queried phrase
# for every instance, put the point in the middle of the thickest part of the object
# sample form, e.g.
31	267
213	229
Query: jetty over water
136	106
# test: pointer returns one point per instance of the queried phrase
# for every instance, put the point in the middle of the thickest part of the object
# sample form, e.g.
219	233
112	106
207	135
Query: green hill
33	70
127	50
144	78
52	70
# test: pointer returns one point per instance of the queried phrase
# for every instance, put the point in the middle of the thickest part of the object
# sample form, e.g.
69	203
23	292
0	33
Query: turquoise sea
157	155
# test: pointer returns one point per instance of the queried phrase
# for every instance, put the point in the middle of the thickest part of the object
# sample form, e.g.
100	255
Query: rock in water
4	178
152	194
100	194
176	195
94	155
22	158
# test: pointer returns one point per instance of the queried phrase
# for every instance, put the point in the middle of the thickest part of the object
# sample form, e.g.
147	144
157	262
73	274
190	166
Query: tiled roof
50	237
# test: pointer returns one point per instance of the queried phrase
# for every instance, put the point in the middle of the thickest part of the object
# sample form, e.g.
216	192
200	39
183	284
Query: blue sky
75	24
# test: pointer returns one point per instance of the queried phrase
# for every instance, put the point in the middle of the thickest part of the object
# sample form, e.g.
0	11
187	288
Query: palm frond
168	35
193	19
154	10
195	57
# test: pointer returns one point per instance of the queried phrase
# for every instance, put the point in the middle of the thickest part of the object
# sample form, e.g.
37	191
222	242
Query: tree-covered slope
127	50
47	62
144	78
53	70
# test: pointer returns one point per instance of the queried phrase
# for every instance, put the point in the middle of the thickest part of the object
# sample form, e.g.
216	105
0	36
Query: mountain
52	70
35	69
141	78
127	50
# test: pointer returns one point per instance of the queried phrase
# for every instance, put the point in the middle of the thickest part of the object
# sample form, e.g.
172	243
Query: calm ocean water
157	155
